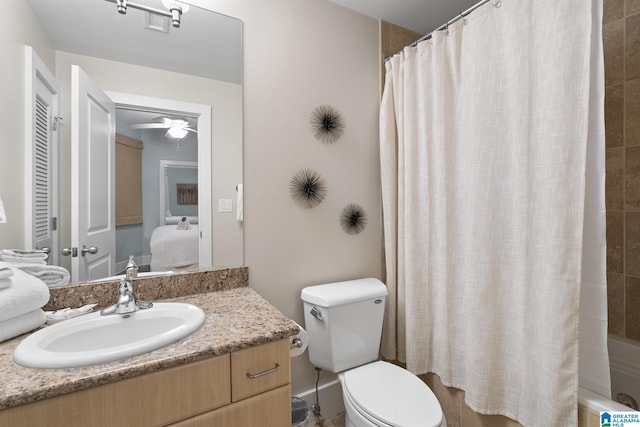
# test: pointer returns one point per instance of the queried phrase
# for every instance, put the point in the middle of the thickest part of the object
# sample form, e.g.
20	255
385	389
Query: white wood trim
163	201
205	143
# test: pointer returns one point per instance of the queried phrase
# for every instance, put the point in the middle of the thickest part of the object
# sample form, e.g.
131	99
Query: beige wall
621	35
298	55
19	29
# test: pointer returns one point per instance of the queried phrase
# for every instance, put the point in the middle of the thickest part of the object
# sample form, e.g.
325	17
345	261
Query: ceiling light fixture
176	128
177	132
121	5
175	9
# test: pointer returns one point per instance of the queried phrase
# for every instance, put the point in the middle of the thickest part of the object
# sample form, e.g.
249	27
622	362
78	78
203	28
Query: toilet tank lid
339	293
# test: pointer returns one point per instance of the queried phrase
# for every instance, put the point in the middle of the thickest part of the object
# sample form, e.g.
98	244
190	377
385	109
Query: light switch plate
225	205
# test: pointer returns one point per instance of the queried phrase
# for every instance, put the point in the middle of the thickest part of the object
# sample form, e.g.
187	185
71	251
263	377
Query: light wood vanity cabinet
258	369
249	387
260	390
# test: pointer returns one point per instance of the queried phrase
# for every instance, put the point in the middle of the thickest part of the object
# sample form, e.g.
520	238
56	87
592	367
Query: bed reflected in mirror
174	243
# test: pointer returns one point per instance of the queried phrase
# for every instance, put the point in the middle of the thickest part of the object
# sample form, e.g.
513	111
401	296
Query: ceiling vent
156	22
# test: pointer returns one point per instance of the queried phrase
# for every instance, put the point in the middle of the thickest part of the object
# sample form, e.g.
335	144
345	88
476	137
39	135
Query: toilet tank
344	322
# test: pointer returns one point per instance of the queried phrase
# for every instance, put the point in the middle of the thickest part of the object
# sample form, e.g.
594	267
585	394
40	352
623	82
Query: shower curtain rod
446	24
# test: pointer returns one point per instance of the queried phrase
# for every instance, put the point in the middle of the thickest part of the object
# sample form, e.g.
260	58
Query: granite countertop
235	319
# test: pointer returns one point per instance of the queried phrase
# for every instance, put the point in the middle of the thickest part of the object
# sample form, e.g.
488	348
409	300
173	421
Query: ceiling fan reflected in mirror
177	128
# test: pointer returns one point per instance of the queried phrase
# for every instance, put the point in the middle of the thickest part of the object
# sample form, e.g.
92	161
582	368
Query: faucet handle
144	305
131	270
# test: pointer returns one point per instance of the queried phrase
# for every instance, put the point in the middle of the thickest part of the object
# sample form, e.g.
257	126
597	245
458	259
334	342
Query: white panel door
93	181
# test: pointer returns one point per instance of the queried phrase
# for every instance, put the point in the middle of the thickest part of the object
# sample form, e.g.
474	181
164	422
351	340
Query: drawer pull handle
259	374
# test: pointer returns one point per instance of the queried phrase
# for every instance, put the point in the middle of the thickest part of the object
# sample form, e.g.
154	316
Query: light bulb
177	132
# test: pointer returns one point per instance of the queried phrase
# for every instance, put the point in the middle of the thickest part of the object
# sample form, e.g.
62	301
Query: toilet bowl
383	394
344	324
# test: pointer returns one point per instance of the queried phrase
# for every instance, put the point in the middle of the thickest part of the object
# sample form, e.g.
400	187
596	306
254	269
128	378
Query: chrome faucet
127	303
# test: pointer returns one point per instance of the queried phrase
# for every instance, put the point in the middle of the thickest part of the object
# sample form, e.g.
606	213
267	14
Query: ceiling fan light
177	132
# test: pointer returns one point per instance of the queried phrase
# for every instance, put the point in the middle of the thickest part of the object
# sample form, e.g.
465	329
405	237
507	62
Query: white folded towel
52	275
18	255
5	272
5	277
25	294
21	324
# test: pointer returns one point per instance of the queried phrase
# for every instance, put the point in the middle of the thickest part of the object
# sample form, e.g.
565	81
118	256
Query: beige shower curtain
483	148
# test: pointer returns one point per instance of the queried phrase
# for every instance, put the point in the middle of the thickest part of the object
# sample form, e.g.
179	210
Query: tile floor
337	421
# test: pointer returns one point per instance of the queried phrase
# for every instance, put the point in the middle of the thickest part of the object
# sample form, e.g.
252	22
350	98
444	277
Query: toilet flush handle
315	312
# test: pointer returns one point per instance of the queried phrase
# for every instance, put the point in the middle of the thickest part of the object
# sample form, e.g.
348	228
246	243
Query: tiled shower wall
621	38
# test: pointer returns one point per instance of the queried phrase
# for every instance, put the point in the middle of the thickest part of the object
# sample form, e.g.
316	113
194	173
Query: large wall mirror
160	78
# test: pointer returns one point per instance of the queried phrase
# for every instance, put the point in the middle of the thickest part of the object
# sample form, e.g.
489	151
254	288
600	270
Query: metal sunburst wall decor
308	188
353	219
327	123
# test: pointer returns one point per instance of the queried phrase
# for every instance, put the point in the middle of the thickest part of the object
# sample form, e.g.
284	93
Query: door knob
69	251
85	250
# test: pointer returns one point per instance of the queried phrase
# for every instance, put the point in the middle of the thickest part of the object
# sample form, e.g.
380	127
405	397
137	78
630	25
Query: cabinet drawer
259	368
272	409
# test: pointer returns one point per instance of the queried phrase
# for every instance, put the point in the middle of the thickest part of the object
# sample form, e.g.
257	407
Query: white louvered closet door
41	158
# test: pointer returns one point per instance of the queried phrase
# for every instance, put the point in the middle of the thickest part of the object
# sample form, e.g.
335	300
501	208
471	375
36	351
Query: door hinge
54	223
55	121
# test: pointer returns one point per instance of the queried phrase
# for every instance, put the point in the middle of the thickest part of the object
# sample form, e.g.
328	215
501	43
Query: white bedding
172	248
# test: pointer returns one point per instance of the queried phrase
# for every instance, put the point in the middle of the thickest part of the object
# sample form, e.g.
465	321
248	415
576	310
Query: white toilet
344	323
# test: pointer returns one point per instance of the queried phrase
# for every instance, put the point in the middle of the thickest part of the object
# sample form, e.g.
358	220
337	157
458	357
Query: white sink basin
93	339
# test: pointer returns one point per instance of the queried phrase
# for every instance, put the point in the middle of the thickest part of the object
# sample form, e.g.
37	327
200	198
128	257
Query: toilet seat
389	395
